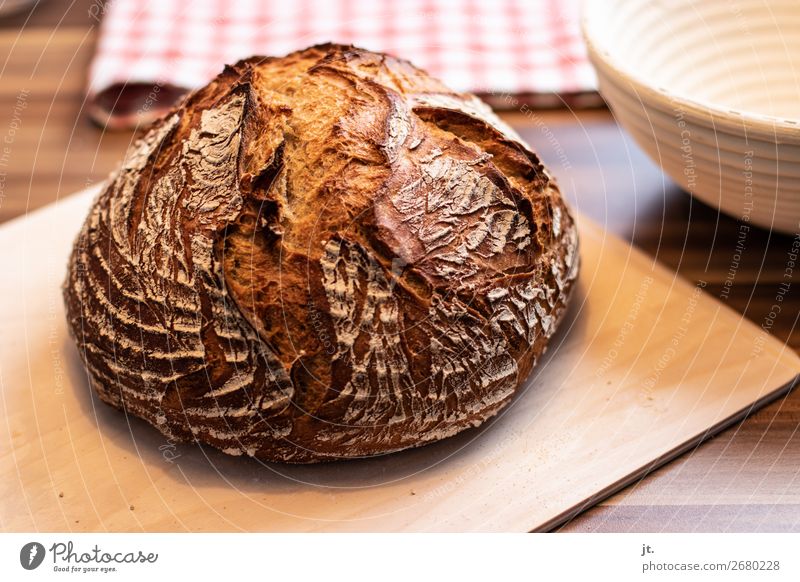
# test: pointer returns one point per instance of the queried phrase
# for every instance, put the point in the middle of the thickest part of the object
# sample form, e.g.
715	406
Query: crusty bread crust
321	256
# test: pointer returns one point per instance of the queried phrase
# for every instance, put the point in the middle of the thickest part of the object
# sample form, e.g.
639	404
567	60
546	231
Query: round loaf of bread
322	256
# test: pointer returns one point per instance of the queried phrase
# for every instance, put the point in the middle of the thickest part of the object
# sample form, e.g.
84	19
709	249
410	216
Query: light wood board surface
645	366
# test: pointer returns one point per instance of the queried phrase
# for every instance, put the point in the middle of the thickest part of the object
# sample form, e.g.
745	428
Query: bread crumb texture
321	256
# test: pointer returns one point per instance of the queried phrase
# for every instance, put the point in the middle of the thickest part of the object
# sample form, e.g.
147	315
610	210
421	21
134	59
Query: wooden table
745	479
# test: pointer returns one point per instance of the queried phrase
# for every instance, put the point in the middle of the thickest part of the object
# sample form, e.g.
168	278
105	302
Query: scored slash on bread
321	256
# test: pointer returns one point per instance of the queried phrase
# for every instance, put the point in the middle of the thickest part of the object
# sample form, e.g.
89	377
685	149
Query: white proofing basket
710	89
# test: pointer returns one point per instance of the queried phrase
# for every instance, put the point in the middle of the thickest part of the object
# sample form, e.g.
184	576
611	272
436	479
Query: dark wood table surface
745	479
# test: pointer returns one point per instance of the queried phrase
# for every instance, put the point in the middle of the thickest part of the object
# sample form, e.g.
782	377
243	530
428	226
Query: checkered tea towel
151	51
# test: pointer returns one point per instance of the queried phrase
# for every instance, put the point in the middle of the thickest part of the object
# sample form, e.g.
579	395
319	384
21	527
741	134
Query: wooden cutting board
645	367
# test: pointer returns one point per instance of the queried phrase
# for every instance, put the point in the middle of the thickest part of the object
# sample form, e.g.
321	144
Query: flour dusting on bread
321	256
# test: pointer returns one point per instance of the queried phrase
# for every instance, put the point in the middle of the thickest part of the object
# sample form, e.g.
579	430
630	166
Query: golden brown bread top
326	254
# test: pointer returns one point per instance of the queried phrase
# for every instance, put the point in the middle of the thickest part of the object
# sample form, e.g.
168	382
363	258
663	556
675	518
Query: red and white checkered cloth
528	48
